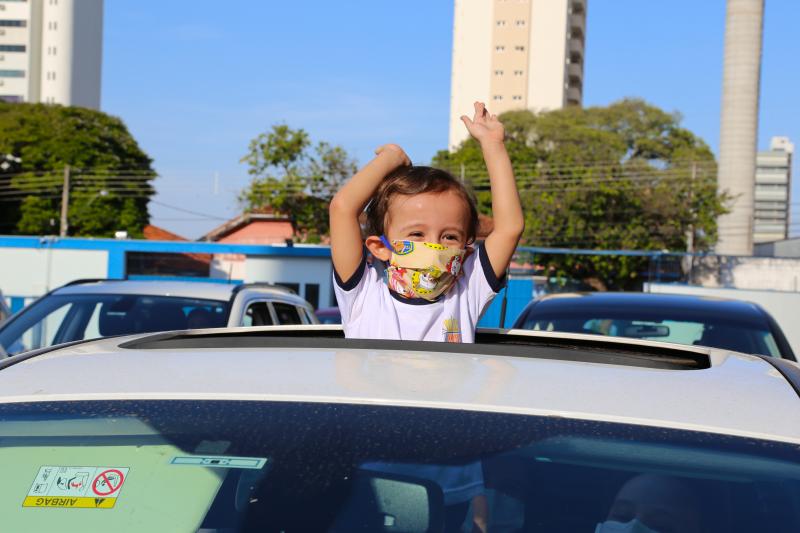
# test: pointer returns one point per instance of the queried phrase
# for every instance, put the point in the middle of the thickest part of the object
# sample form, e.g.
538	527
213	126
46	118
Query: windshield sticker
76	487
220	461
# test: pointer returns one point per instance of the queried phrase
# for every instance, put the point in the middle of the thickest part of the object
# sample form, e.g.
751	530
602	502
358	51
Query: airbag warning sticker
76	487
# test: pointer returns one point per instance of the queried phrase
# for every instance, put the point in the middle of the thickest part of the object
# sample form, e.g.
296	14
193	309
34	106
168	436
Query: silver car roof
736	395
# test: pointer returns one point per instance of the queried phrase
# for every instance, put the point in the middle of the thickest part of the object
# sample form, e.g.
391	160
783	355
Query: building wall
63	51
472	62
515	54
15	22
28	273
303	271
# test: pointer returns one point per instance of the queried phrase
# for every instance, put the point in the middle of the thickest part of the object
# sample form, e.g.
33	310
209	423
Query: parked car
329	315
682	319
101	308
296	429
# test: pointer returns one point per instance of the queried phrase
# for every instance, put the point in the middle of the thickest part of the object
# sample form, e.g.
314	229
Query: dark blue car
682	319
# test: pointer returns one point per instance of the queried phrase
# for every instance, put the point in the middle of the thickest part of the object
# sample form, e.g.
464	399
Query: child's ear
377	248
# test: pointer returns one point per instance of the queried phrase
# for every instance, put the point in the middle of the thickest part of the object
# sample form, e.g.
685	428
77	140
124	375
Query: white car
89	309
297	429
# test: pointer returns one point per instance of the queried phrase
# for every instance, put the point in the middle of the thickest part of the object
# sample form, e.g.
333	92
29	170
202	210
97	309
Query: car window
57	319
257	314
282	466
729	335
287	313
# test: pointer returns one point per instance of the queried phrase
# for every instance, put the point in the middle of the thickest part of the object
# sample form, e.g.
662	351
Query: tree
294	179
110	174
625	176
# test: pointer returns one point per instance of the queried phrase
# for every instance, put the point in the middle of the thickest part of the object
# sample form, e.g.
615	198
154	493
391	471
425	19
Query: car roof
735	394
695	305
186	289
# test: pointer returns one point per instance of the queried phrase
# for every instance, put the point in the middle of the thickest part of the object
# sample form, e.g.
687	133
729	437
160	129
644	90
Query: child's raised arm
346	242
506	208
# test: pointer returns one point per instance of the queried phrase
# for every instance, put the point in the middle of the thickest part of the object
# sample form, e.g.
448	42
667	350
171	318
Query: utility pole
65	203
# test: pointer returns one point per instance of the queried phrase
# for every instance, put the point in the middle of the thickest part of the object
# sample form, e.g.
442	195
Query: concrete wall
26	272
781	305
735	272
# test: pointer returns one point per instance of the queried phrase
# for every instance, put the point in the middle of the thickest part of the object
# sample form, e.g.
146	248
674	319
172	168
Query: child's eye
416	234
451	237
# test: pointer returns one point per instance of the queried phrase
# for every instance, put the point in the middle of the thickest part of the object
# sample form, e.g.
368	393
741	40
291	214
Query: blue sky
194	82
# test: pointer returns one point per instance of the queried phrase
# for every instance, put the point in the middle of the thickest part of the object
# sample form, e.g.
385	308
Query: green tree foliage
110	174
295	179
625	176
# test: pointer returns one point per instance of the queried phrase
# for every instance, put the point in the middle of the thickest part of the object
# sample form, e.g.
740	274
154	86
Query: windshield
658	326
56	319
126	466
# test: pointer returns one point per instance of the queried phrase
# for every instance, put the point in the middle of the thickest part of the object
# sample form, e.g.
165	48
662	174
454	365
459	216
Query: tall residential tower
773	191
51	51
515	54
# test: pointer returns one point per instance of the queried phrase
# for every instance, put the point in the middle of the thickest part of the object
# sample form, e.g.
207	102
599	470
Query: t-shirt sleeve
351	293
482	283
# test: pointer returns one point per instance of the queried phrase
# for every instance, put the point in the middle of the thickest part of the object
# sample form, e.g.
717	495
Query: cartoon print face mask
422	269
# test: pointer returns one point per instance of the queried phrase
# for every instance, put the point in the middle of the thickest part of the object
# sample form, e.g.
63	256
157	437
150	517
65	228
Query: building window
498	72
14	23
501	22
497	97
499	48
519	48
12	73
520	23
12	47
516	97
517	73
51	75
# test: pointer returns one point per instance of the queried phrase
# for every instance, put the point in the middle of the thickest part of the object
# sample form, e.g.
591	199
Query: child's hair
413	180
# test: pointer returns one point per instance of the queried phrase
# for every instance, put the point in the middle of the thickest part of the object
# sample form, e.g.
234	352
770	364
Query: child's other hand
483	126
394	151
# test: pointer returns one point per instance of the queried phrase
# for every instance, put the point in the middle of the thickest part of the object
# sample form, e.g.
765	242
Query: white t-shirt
371	311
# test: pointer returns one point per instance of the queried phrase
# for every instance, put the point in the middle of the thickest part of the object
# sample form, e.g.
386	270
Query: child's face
439	217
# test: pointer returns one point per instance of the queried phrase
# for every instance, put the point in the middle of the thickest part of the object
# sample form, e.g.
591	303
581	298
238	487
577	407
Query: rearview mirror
646	330
381	501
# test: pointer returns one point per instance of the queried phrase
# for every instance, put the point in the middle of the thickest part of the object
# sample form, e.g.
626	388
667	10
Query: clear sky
195	81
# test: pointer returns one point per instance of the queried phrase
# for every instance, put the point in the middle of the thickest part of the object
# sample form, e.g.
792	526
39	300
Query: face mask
634	526
422	269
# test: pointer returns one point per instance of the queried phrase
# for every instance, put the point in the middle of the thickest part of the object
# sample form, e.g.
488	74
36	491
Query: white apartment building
515	54
51	51
773	191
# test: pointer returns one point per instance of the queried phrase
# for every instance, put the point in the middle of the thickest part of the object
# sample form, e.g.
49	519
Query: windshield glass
57	319
644	324
282	466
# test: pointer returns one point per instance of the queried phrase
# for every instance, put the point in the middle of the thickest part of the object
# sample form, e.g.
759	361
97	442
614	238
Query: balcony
577	25
575	47
575	72
573	96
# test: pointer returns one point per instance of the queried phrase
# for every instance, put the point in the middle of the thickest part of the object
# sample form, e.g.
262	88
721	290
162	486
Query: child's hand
483	126
394	151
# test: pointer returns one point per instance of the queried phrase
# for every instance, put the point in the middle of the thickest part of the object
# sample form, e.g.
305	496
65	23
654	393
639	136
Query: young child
430	284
